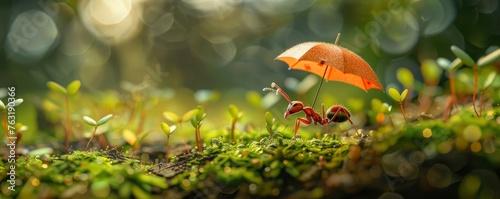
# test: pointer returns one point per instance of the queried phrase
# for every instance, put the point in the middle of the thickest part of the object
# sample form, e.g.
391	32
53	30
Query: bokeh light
32	34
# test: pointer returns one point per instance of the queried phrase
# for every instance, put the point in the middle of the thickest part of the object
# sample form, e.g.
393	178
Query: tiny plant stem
131	116
68	127
475	90
166	150
481	103
452	85
5	126
402	111
142	119
91	137
233	124
184	137
390	118
198	138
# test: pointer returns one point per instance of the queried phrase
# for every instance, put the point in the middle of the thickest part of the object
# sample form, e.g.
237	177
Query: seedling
20	128
396	96
235	115
172	117
168	131
468	61
5	109
432	74
450	67
197	121
70	90
405	77
269	123
95	124
335	113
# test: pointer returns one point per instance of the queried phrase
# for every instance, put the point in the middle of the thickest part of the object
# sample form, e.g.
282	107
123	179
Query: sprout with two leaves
450	67
483	61
172	117
95	124
235	115
197	121
70	90
9	108
168	131
399	97
269	123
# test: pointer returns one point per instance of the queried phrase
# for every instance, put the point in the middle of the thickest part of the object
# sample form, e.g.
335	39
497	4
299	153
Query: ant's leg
297	125
348	118
324	116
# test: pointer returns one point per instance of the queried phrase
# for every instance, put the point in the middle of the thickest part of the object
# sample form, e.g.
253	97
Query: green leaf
376	105
443	63
41	151
489	80
233	110
455	64
489	59
129	136
394	94
56	87
403	95
100	189
153	180
165	128
269	118
143	136
190	114
124	190
139	192
388	107
240	115
2	105
73	87
462	55
104	119
431	71
194	122
171	117
405	76
201	113
89	121
18	102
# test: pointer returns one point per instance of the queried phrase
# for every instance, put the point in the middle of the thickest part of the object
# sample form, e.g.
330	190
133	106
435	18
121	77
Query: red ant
336	113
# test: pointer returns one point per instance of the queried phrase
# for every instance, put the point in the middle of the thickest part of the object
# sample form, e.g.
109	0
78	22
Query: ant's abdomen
338	114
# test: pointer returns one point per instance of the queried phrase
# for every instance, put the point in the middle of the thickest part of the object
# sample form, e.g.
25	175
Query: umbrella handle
320	83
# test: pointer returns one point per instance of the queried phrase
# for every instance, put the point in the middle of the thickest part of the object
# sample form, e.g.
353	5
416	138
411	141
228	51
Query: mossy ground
426	157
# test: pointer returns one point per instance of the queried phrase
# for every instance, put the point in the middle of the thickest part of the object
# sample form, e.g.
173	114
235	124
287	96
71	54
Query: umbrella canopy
341	64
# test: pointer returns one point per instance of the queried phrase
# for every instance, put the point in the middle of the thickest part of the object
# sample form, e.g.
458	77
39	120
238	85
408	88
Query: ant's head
294	107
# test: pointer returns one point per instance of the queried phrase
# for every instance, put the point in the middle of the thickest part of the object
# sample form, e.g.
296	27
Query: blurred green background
192	49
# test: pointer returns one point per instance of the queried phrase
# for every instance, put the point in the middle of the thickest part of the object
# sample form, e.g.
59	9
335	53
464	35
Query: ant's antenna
275	87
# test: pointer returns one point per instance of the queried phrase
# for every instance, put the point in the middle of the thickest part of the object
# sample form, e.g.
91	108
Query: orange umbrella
331	62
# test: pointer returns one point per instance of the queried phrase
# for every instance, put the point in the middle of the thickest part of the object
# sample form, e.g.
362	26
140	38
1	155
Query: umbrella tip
338	38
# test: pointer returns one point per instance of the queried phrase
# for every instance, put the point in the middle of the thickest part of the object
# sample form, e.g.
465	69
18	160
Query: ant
335	113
